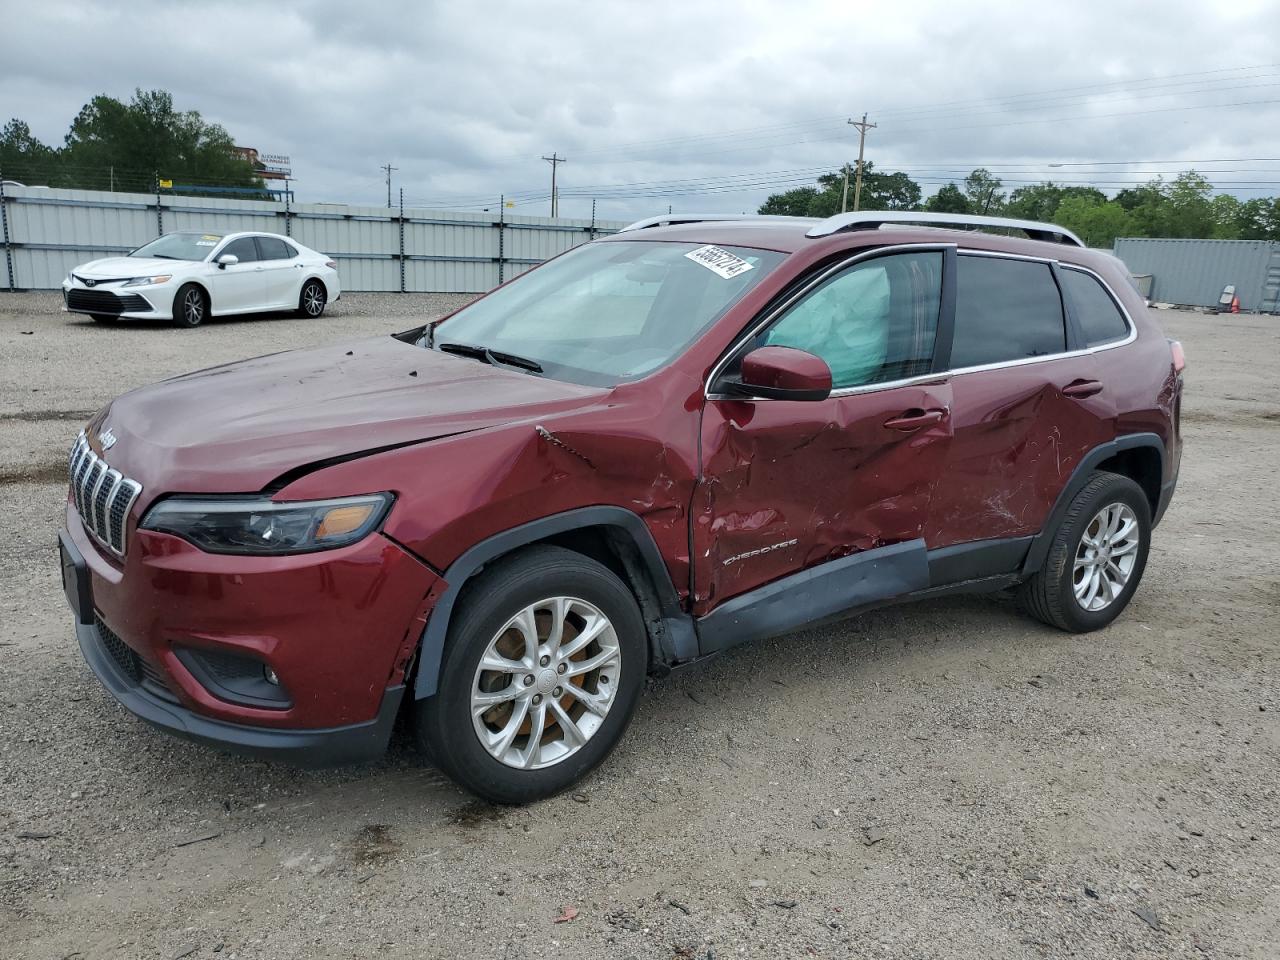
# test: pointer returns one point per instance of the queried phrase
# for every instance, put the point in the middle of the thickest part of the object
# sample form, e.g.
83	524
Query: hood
121	268
238	427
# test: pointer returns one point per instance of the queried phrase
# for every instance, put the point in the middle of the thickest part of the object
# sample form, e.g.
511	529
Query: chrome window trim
941	375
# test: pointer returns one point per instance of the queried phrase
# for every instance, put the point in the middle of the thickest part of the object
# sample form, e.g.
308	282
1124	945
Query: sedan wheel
311	301
190	306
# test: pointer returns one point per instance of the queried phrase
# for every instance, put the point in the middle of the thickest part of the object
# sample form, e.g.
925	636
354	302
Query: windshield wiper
161	256
485	355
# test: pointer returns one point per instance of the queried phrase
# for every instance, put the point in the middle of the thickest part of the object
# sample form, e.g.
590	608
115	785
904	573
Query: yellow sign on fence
166	184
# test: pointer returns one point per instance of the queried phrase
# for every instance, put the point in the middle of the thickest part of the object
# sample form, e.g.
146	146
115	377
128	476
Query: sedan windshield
179	246
605	312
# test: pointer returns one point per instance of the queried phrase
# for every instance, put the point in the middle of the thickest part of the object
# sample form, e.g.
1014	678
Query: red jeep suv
691	434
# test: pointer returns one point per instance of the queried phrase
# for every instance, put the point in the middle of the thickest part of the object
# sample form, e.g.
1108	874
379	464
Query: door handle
914	419
1079	389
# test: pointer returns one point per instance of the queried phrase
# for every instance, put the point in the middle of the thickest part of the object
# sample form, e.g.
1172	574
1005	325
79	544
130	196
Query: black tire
312	299
1049	595
104	318
190	306
443	722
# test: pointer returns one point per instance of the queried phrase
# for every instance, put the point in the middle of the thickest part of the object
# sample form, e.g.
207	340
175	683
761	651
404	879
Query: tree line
1185	206
112	145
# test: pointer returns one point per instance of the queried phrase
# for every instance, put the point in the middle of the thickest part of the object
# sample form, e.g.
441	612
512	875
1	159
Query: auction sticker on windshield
718	261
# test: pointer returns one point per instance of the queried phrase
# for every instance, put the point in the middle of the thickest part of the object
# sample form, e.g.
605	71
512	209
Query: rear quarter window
1094	309
1005	310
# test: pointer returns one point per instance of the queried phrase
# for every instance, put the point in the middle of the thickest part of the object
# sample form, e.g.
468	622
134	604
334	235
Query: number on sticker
719	261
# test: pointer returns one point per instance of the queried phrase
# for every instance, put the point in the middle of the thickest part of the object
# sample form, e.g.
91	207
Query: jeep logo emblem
107	439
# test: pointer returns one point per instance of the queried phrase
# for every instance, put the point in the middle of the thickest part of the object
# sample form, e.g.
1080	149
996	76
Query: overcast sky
703	106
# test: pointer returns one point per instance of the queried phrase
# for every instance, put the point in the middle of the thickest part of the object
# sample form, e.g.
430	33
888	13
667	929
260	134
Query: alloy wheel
545	683
193	307
313	300
1105	556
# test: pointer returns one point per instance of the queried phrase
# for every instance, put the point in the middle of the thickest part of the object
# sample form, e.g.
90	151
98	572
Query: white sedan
188	277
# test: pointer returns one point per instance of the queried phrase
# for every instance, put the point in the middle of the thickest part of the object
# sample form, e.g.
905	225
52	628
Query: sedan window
273	248
243	248
179	246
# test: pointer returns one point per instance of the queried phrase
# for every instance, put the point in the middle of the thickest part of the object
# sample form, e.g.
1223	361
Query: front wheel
312	299
1097	557
190	306
542	668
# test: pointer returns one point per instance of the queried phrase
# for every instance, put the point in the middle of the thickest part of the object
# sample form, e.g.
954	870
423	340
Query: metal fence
1194	272
46	232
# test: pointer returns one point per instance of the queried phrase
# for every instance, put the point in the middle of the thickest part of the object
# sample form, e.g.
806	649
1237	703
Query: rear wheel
190	306
1097	557
544	663
312	299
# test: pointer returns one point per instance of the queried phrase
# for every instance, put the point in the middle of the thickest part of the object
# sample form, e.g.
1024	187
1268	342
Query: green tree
1096	223
982	189
880	191
1226	212
1259	219
1189	210
948	199
148	134
1040	201
24	158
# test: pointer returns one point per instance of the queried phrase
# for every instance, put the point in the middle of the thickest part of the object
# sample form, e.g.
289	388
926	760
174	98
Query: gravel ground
940	780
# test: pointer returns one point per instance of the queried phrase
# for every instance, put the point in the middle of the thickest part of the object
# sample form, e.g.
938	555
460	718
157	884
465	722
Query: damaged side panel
789	485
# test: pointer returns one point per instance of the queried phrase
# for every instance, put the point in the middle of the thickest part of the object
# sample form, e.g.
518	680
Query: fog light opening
270	676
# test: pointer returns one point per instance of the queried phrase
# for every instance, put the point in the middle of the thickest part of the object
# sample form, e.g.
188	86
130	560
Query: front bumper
130	303
334	746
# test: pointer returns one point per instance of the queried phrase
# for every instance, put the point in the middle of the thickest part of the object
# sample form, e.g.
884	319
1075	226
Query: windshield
179	246
607	312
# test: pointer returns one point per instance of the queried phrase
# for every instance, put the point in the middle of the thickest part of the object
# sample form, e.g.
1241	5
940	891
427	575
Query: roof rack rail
873	220
669	219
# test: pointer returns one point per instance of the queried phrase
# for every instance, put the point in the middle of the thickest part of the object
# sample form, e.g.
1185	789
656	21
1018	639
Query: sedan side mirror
227	260
784	373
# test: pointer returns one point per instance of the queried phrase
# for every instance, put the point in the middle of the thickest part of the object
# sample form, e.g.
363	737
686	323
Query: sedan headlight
148	281
262	526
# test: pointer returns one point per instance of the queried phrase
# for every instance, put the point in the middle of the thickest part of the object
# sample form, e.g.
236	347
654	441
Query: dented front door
787	485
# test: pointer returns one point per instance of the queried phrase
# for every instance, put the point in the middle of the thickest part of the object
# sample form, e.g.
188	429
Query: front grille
134	666
103	497
104	301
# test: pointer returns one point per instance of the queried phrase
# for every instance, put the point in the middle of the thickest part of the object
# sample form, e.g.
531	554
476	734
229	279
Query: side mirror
784	373
227	260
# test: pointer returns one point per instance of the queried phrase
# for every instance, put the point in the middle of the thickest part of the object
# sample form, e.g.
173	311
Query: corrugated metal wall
1194	272
51	231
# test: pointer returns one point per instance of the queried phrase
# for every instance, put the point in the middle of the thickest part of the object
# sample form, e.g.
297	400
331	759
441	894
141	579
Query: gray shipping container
1194	272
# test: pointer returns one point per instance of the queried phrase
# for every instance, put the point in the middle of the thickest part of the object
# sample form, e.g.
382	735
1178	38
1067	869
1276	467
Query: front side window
1100	319
243	248
179	246
1005	310
608	312
873	323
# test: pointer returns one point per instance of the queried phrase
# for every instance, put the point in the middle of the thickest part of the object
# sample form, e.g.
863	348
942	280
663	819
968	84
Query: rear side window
1100	319
243	248
1005	310
873	323
273	248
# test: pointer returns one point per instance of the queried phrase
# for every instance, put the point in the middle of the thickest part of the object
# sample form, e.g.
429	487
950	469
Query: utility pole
863	127
555	161
844	194
389	168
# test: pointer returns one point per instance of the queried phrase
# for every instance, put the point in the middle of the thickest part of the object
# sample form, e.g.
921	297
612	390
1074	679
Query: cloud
464	98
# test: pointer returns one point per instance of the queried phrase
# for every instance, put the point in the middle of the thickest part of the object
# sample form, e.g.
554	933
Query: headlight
147	281
262	526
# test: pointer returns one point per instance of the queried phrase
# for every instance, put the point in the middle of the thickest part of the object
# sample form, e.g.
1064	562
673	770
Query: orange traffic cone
1235	303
